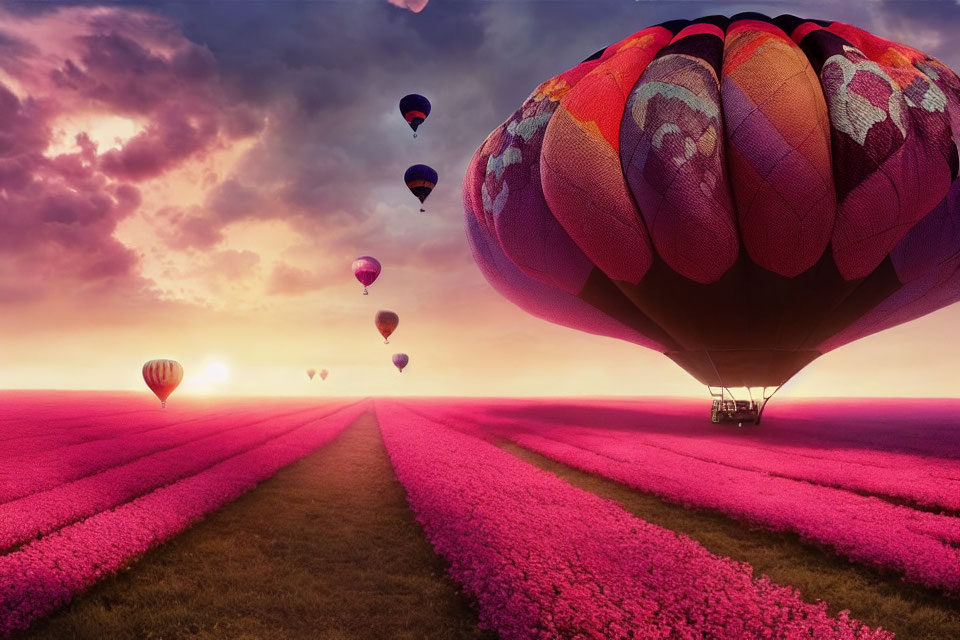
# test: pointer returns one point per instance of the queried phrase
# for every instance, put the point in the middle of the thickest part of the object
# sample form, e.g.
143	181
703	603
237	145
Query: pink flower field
116	483
90	482
546	560
832	473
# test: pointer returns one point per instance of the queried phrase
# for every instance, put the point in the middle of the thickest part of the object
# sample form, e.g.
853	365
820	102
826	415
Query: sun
217	372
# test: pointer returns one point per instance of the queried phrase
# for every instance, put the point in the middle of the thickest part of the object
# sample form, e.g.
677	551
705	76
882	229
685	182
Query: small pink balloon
414	5
366	269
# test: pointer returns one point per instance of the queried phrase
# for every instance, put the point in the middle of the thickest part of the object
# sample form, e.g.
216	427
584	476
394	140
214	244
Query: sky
192	180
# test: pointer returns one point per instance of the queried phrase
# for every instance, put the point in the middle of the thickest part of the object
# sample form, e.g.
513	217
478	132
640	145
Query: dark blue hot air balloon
415	109
421	180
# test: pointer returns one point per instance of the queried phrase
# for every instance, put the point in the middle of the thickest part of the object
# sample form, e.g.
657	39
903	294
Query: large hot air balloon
400	360
162	376
323	374
421	180
742	195
366	269
311	373
386	322
415	109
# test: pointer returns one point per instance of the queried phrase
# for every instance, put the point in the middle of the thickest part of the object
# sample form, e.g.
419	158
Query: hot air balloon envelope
311	373
742	195
400	360
421	180
386	322
323	374
415	109
162	376
366	269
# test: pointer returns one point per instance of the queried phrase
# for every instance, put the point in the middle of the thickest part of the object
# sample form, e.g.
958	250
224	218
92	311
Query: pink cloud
61	200
414	5
288	280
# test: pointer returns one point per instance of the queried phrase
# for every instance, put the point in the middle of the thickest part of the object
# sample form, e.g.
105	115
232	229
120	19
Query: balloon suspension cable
716	371
766	398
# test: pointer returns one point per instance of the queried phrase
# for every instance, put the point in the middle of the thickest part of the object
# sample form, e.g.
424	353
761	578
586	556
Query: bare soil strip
326	549
877	599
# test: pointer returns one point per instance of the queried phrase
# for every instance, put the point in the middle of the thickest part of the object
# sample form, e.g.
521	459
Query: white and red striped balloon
162	376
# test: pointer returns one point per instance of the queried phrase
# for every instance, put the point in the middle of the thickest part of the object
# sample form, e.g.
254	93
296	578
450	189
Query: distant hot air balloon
386	322
311	373
742	195
366	269
162	376
400	360
323	374
421	180
415	109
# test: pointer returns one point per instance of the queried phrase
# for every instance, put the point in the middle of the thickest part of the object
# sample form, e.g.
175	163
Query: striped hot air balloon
415	109
162	376
421	180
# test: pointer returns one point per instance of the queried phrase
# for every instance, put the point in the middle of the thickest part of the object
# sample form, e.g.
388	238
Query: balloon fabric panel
674	160
580	162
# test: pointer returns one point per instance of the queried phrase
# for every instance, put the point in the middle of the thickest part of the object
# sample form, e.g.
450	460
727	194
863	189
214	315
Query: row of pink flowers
46	573
546	560
921	545
34	422
49	438
40	471
46	511
821	453
20	408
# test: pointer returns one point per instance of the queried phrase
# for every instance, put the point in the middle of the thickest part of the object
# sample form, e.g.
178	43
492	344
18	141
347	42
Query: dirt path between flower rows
912	612
326	549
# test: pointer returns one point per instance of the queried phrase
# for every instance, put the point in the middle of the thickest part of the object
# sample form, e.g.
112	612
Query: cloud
287	280
413	5
117	98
